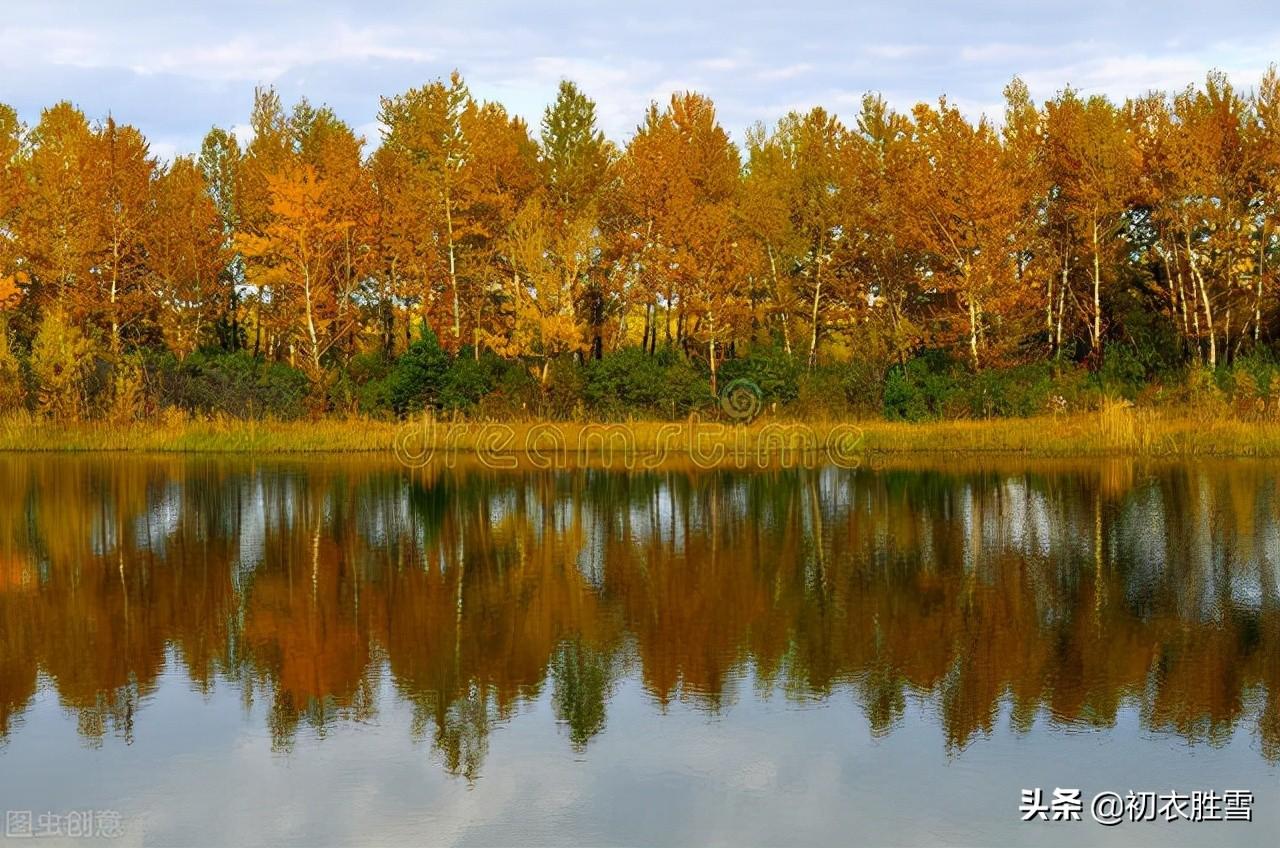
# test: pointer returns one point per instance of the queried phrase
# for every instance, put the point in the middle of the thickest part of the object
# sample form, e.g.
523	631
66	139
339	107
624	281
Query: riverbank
1116	430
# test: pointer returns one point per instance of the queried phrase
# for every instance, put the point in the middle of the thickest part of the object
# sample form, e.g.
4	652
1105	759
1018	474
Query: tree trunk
817	297
311	325
453	271
1257	295
1197	280
1097	295
711	356
973	333
777	299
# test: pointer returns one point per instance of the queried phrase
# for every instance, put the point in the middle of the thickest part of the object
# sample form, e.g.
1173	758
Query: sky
174	72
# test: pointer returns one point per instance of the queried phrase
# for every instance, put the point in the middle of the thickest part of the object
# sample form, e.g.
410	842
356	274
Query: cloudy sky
175	72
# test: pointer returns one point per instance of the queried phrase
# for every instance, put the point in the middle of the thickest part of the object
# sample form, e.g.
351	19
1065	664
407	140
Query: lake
334	651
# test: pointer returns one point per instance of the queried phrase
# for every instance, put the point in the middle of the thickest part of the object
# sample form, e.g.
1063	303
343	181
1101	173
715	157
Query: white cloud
895	51
173	71
787	72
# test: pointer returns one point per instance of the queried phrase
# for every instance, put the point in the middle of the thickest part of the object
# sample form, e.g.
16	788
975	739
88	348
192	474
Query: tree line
1071	233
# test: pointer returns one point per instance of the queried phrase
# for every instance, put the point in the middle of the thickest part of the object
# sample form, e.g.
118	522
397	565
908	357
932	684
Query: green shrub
1253	376
772	369
361	386
470	378
235	384
415	381
924	388
822	394
633	382
515	393
862	384
561	391
1199	389
1021	391
1124	371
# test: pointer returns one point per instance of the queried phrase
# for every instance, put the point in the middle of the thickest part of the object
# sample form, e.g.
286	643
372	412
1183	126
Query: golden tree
123	169
186	255
502	173
548	259
420	172
802	166
692	216
1092	170
54	228
294	259
962	209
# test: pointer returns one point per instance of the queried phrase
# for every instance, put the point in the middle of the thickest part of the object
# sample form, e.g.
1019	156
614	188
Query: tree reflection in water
1062	590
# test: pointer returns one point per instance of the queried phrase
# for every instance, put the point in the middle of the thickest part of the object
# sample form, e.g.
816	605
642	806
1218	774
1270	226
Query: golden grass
1116	430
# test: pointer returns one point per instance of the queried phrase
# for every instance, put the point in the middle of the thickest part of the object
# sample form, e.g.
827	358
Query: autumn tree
294	258
502	173
304	251
1200	191
1264	163
765	212
63	195
186	255
692	215
802	165
421	161
11	197
1091	168
577	167
548	260
270	152
882	264
12	192
125	168
1215	208
963	212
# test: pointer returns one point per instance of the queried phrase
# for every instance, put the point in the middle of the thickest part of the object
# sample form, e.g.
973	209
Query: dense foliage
914	265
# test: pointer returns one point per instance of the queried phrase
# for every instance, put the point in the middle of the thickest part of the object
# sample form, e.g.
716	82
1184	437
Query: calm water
326	652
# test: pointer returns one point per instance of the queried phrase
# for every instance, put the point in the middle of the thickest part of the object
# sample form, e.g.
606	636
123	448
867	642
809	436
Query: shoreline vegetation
1083	278
1117	430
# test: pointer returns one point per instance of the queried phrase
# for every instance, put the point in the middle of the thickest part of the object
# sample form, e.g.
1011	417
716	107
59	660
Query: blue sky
176	71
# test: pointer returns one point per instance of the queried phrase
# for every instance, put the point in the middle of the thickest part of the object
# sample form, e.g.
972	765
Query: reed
1116	429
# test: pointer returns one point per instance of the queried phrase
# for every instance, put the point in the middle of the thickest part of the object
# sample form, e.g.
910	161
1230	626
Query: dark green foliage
470	380
1257	372
362	386
415	381
1124	371
236	384
862	384
776	373
631	382
923	388
1020	391
933	386
561	395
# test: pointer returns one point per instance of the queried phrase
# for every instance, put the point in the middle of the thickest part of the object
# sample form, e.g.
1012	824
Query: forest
913	265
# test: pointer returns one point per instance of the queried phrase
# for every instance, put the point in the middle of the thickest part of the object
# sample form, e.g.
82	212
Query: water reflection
1058	590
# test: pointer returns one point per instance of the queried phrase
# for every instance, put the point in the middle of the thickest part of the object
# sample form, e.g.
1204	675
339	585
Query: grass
1115	430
